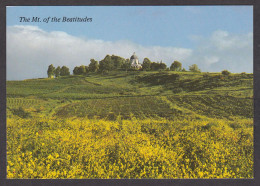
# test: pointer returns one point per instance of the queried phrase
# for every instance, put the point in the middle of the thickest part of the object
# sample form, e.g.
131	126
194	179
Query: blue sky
176	30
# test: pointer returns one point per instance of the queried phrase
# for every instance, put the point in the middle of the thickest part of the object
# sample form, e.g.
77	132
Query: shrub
194	68
21	112
225	72
243	74
206	75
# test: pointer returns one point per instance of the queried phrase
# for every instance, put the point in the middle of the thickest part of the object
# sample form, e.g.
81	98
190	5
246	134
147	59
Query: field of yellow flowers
133	148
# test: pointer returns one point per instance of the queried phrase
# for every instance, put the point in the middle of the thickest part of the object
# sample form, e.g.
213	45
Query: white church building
135	62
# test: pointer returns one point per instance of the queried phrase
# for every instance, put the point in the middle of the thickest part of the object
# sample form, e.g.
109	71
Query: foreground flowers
134	148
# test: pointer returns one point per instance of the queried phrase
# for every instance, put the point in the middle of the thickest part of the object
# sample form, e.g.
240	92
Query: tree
106	64
50	71
82	70
146	64
87	69
194	68
176	66
158	66
162	66
76	71
64	71
118	62
155	66
57	72
93	66
127	65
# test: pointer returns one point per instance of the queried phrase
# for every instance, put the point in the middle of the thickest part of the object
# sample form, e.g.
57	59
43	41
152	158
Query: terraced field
216	106
21	102
111	108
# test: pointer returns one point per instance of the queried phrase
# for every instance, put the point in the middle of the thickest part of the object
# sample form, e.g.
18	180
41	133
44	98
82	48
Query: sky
213	37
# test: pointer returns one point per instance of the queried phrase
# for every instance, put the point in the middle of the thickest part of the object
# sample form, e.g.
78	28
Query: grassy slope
141	125
143	94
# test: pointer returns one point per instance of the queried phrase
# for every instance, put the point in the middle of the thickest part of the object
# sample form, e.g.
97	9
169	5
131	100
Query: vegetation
146	64
57	72
158	66
225	72
50	71
64	71
150	148
194	68
93	66
117	63
131	124
176	66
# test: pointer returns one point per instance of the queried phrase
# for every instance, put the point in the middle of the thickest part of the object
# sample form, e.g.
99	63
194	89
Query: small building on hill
135	62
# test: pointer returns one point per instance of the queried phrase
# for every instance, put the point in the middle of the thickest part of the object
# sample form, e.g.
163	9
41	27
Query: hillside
143	94
131	125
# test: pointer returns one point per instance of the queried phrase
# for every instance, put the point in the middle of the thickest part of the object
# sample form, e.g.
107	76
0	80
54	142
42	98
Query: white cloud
210	59
223	50
30	50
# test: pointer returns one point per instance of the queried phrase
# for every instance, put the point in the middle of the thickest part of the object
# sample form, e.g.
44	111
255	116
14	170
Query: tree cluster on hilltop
116	63
57	72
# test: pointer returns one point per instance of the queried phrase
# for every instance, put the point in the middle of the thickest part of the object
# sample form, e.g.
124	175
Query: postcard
129	92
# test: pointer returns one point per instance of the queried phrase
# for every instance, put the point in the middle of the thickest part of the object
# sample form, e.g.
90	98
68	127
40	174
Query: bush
206	75
243	74
21	113
225	72
194	68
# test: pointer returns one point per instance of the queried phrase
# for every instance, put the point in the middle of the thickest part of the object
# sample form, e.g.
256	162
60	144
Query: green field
131	125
